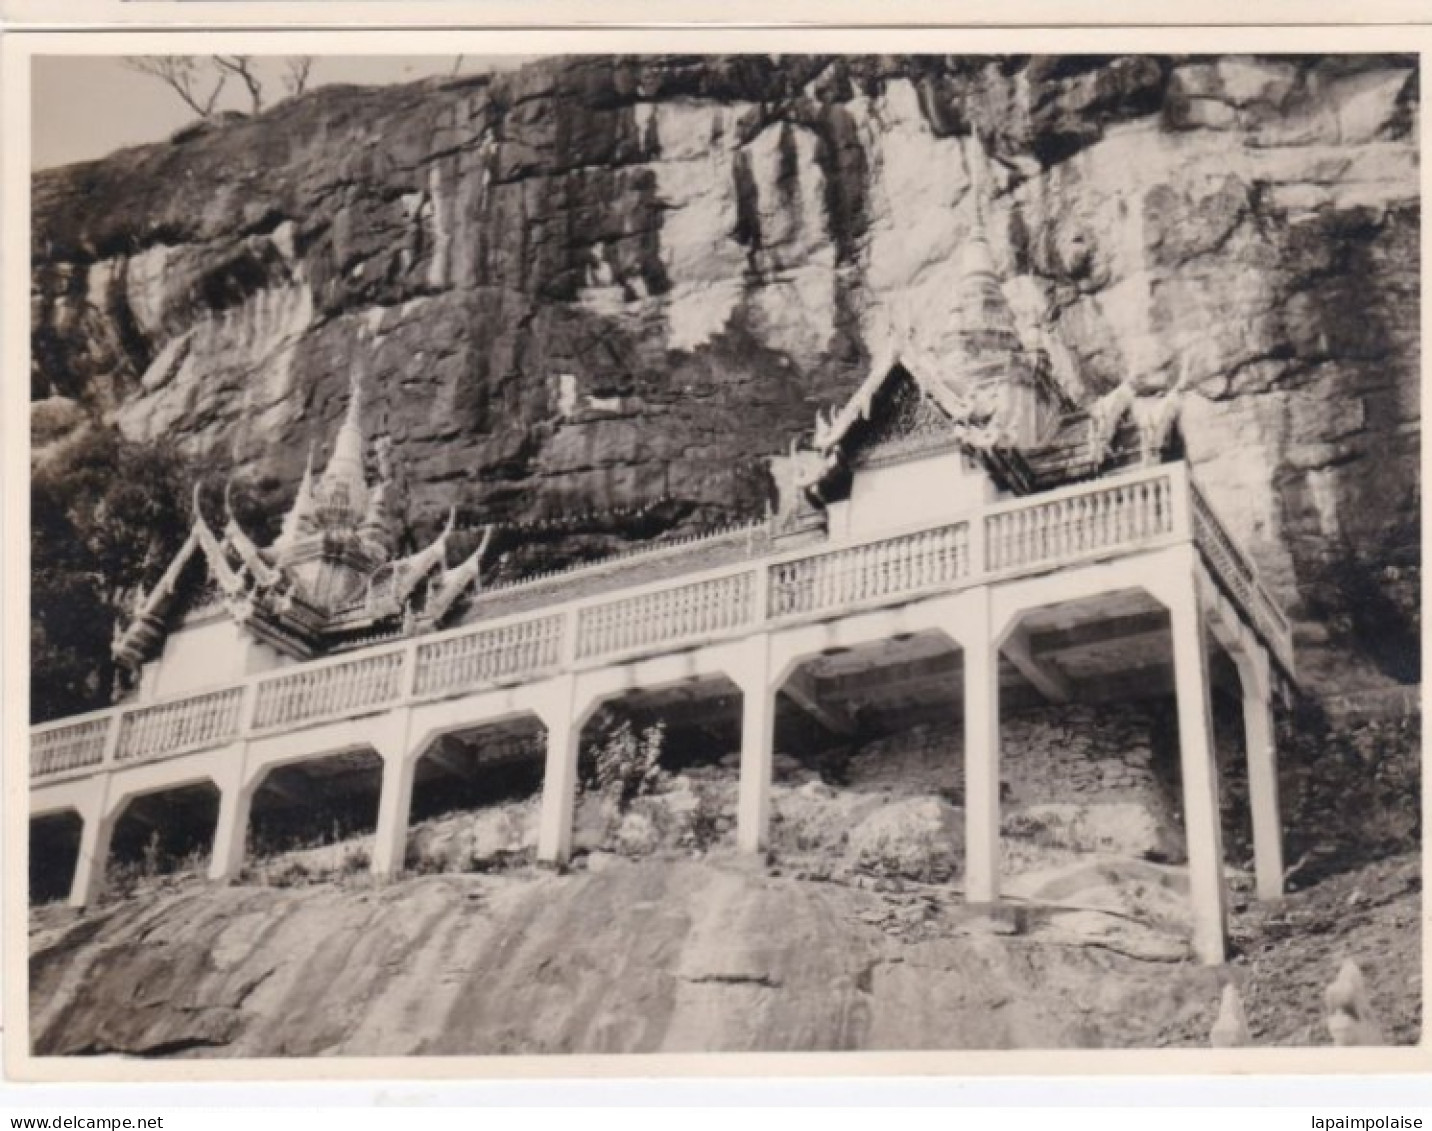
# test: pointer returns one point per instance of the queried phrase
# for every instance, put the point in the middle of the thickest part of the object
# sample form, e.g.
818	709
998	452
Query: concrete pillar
1258	730
231	833
559	779
758	739
981	708
1199	775
95	836
390	839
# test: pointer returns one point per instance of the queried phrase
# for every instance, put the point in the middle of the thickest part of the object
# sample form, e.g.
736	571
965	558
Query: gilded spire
300	517
342	493
376	528
985	323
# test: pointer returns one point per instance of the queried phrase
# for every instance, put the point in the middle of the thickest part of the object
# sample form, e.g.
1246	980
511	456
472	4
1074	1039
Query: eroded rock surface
596	283
668	955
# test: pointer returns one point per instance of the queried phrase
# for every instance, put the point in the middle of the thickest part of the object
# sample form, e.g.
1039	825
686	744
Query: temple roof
329	579
988	394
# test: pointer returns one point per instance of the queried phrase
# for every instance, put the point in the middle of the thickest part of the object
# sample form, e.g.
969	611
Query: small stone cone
1350	1017
1230	1031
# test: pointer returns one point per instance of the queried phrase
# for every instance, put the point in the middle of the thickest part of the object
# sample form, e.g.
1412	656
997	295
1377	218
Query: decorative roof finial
342	493
985	323
299	519
978	258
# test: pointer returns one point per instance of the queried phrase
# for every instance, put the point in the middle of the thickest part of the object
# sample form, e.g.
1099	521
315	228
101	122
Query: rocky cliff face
705	957
596	283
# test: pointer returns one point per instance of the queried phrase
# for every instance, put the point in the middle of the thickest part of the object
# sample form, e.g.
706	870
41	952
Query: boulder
639	832
1117	828
1350	1017
1110	932
916	838
1230	1030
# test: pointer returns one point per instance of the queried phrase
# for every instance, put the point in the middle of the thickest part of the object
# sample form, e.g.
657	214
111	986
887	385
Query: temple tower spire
342	493
299	521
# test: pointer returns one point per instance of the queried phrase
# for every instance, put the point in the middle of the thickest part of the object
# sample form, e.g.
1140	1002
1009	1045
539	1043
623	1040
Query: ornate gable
900	419
328	582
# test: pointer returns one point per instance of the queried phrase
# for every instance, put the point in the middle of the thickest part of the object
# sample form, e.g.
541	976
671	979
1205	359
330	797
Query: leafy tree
107	515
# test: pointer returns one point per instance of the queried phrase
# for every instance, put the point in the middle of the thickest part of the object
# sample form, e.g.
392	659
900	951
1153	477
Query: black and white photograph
582	555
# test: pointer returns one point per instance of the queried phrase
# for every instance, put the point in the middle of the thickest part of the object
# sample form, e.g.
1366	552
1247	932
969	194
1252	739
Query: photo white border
525	14
18	48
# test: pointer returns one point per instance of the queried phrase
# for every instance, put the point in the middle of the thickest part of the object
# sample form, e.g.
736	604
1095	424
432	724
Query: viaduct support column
559	779
1199	772
231	833
758	735
95	836
981	727
395	803
1255	676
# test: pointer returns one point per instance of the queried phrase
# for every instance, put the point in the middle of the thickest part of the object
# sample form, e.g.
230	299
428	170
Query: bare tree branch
243	67
186	76
457	64
296	69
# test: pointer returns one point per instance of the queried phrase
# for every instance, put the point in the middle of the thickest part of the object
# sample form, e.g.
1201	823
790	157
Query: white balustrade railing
70	746
488	656
1123	514
309	694
1084	522
1239	578
184	724
892	567
666	616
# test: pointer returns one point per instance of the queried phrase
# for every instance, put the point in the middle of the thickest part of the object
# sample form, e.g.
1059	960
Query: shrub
1352	792
706	822
622	763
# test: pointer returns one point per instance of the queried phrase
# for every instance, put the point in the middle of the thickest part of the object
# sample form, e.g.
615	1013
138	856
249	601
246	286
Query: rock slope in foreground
664	956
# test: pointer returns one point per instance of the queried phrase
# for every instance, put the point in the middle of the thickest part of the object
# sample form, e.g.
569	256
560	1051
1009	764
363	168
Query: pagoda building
331	581
982	420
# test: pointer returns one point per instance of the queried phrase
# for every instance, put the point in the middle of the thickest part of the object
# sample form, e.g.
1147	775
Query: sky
85	106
